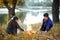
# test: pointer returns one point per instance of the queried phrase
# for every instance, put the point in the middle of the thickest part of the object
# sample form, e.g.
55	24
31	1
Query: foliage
42	4
21	3
9	2
2	19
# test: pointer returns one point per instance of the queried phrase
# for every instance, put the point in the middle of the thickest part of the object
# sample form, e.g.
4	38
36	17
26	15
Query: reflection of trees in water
35	13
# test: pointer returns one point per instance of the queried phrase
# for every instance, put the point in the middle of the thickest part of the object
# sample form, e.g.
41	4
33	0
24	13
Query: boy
12	26
47	23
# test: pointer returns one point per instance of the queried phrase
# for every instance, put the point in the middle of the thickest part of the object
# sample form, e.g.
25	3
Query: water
5	10
33	15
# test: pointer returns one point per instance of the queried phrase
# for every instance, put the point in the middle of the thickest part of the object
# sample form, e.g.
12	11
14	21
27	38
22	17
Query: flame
29	30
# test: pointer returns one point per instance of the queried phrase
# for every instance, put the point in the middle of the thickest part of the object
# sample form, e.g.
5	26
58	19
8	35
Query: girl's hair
15	18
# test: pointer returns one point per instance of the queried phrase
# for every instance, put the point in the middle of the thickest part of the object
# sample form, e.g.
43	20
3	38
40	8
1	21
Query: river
33	14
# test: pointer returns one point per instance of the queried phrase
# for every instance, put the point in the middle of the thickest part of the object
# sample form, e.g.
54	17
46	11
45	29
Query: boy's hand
45	31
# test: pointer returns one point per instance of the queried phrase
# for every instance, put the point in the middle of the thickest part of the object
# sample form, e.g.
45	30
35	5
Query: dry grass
54	33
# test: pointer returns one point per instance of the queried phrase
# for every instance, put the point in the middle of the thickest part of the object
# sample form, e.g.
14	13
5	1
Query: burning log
30	32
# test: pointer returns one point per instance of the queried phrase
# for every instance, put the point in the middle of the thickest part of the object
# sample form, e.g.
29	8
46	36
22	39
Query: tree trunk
11	13
11	8
55	11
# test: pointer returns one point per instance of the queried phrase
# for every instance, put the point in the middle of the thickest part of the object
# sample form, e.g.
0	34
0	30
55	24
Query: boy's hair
46	15
15	18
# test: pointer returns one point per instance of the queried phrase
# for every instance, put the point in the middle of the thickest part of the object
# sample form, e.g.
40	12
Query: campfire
29	30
